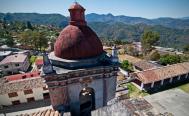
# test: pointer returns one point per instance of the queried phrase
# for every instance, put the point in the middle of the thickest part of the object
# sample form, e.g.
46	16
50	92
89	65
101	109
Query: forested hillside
169	37
173	32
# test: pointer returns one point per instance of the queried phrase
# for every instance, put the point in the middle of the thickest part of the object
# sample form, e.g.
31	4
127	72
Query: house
14	63
162	76
22	88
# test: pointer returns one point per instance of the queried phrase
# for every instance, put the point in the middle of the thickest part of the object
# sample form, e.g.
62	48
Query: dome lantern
77	14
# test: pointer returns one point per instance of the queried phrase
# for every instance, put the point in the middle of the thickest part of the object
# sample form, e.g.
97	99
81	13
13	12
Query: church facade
81	77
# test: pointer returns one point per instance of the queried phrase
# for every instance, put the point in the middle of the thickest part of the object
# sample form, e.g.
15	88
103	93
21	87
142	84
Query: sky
135	8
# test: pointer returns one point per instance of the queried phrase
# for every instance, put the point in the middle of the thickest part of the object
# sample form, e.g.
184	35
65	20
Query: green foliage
176	37
134	92
33	39
32	59
9	41
148	40
150	37
169	59
6	38
126	65
184	58
186	48
29	26
35	18
184	87
168	37
120	42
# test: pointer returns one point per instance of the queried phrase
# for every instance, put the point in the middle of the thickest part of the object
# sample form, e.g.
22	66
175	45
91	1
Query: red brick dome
77	40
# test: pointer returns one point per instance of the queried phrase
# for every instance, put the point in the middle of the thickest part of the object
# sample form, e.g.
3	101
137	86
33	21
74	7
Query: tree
126	65
6	38
40	40
186	48
170	59
25	38
148	40
9	41
29	26
36	40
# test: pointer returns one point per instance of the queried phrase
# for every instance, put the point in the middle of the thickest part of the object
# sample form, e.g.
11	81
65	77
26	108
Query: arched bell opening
87	101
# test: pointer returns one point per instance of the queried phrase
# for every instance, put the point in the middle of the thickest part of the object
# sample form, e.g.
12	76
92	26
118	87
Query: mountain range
60	20
181	23
174	32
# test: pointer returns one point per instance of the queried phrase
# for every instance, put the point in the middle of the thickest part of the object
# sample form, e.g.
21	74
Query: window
17	65
29	91
17	102
14	94
6	66
46	95
31	99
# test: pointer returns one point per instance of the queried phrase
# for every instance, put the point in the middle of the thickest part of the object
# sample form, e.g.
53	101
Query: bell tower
81	77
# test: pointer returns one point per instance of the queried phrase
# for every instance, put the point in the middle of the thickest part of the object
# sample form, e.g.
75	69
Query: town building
162	76
139	64
80	76
14	63
22	88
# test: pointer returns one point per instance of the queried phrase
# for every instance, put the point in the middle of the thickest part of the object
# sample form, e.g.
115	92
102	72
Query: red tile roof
23	76
48	112
152	75
20	85
14	58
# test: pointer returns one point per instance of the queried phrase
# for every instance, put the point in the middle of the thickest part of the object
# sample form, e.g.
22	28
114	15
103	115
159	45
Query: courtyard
174	101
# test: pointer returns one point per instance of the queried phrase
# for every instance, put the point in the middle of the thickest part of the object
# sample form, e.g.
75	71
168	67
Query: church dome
77	40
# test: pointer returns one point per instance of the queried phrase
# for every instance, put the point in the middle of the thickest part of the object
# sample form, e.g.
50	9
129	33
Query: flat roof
145	65
14	58
174	101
